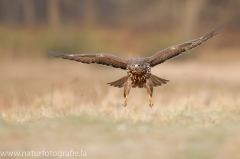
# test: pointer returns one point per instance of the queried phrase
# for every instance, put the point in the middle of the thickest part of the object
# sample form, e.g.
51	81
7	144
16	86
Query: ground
60	105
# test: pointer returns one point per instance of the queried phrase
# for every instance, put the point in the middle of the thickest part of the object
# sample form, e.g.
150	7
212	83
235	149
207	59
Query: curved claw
150	101
125	102
151	104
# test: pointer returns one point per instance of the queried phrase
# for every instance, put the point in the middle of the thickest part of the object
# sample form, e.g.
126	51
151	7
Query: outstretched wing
100	58
176	50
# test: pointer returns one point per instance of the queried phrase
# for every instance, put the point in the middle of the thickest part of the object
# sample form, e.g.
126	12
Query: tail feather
157	81
155	84
119	83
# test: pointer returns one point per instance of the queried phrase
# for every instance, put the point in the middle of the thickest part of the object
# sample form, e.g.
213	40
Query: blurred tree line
138	14
187	18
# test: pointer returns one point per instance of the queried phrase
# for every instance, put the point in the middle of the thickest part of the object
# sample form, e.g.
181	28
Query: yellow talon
150	101
125	102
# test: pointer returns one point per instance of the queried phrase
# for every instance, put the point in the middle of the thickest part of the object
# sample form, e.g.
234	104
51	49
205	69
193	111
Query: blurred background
65	105
128	28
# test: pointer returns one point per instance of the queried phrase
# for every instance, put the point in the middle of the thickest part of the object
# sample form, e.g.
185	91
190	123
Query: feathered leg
149	87
127	89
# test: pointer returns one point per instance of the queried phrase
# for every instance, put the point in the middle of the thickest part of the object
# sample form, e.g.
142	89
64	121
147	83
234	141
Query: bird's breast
139	77
138	80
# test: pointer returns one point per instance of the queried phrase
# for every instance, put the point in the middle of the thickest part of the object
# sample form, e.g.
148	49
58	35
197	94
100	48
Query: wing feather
176	50
100	58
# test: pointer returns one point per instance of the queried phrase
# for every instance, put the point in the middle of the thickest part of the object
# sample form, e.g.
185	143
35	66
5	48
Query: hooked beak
138	71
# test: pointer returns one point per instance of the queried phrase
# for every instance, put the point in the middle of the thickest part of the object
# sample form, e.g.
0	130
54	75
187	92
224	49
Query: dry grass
61	105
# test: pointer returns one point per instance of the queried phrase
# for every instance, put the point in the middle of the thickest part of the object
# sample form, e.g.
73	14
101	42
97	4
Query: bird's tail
119	83
157	81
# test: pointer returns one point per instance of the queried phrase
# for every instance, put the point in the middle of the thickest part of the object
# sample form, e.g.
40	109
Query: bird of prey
138	69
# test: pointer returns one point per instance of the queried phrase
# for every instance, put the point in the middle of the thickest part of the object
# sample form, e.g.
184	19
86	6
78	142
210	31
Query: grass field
60	105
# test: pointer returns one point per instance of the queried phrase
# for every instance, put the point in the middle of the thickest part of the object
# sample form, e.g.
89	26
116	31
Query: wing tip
219	28
55	54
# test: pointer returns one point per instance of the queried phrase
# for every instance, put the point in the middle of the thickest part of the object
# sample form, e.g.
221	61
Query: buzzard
138	69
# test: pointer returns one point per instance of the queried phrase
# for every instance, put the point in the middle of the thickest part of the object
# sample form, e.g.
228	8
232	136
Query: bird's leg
150	101
149	91
127	89
125	101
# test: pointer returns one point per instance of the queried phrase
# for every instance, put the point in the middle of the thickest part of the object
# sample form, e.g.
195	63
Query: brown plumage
138	69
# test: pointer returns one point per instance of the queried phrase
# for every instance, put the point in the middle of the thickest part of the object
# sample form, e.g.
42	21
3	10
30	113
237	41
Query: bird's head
138	68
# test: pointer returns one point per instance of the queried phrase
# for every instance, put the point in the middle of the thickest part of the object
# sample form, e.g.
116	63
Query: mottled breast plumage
138	71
